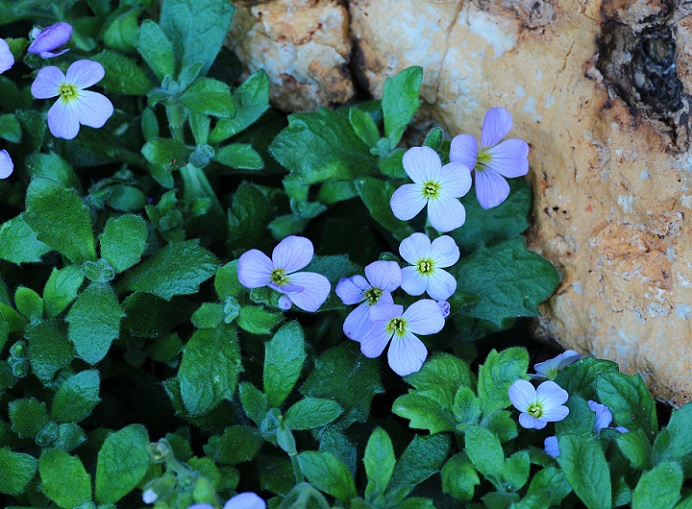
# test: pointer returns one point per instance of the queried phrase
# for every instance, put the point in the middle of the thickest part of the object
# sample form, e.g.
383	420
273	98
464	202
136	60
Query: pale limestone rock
302	44
610	160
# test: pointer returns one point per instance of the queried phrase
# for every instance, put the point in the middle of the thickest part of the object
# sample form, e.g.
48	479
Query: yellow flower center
373	296
425	266
431	189
279	277
68	92
484	158
396	326
535	410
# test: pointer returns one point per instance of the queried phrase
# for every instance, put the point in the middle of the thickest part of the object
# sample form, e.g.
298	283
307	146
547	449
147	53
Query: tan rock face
302	44
596	94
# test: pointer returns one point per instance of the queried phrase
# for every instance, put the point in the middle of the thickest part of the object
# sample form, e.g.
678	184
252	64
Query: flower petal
464	150
385	299
285	303
424	317
50	39
550	394
551	446
407	201
47	82
441	285
376	340
412	282
316	289
357	324
92	109
6	164
385	275
491	188
455	180
529	422
415	247
555	414
254	269
293	253
446	213
496	124
406	354
351	289
522	394
568	357
444	251
385	312
445	308
85	73
422	164
62	120
510	158
6	56
603	416
247	500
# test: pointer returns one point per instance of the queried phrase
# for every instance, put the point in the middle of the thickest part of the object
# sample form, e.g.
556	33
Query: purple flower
51	38
494	161
381	278
407	353
149	496
247	500
6	164
434	185
6	56
75	105
427	260
538	406
306	290
551	367
444	308
603	417
551	446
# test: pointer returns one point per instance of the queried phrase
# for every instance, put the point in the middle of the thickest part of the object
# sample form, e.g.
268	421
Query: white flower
427	261
550	368
538	406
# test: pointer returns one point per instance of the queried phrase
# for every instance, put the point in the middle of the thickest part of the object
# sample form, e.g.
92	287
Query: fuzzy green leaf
659	487
497	374
328	474
19	243
61	289
311	413
28	416
49	349
156	49
283	361
122	463
123	241
64	478
76	397
629	400
376	194
239	155
123	76
400	101
379	461
586	469
16	470
459	478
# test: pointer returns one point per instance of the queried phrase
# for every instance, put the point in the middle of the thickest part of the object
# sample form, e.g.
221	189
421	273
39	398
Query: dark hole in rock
640	69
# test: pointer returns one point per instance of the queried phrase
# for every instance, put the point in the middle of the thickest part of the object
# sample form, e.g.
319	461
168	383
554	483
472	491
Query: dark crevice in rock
639	67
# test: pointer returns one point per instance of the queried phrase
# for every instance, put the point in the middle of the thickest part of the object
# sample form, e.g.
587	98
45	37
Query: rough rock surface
302	44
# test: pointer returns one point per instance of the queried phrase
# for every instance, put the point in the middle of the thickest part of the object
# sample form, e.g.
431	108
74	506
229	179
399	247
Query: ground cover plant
205	303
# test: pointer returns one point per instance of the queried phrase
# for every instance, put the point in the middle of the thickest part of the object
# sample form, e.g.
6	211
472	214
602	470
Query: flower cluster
75	105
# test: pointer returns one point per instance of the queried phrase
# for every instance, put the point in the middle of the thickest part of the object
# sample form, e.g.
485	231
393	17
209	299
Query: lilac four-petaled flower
434	185
247	500
6	56
307	290
407	353
48	41
75	105
6	164
495	160
428	259
538	406
381	278
550	368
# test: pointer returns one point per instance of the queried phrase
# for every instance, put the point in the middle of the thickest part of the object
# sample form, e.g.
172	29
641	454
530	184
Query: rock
594	88
302	44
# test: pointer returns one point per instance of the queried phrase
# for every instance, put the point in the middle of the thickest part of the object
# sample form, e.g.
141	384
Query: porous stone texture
303	45
593	87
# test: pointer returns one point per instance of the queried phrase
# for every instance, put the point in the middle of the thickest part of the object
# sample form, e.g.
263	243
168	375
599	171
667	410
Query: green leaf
516	470
497	374
16	470
487	227
156	49
400	101
209	369
34	125
64	478
586	469
509	279
328	474
424	413
248	217
283	361
501	423
311	413
196	28
392	164
580	377
422	458
76	397
239	155
364	126
552	482
252	100
346	376
680	432
580	419
10	129
49	349
60	219
166	153
466	408
459	478
122	463
485	451
238	444
209	97
321	147
19	243
636	448
94	322
440	378
258	320
629	400
122	33
123	241
379	461
29	304
226	281
659	487
28	416
52	167
177	269
254	402
123	76
376	194
149	316
61	289
208	315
